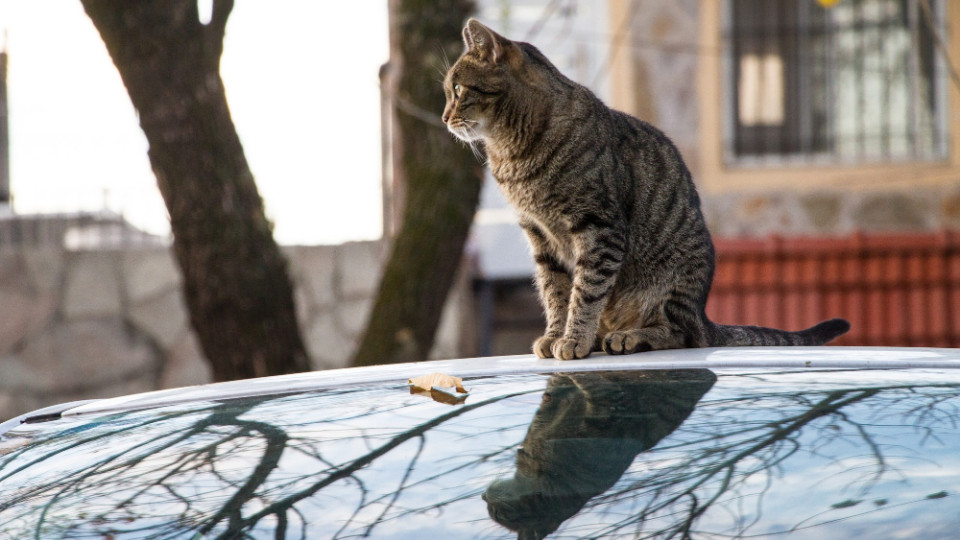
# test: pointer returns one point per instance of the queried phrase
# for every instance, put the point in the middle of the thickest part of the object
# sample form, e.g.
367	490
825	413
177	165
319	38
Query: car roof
846	441
745	358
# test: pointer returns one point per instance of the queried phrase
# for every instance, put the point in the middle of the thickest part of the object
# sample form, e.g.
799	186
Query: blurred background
821	135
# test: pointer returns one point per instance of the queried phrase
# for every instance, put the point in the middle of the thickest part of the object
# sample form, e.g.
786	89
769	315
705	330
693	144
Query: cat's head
491	70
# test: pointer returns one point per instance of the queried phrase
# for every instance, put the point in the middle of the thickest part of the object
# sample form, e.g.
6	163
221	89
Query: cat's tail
746	336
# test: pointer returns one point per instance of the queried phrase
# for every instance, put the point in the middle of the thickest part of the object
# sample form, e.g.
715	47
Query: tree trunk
236	286
440	183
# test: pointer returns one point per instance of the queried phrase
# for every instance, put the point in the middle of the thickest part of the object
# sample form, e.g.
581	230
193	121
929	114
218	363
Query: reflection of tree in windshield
614	455
728	458
199	477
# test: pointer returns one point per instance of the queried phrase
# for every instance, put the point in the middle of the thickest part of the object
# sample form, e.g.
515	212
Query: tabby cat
624	259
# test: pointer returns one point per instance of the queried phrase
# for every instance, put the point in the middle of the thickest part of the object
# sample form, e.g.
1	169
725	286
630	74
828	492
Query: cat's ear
486	43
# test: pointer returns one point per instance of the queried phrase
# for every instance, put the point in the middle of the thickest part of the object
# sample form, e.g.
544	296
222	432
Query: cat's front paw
541	347
570	349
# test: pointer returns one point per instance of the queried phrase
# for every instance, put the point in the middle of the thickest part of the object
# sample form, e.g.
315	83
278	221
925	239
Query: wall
826	212
82	324
654	61
667	68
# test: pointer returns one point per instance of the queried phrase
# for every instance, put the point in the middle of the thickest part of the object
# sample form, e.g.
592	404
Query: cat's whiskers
445	67
446	60
477	152
473	138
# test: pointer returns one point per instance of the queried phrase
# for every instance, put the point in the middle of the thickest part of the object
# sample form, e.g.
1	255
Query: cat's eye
457	89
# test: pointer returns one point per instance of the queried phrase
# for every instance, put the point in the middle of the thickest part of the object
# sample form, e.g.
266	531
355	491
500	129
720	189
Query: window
834	81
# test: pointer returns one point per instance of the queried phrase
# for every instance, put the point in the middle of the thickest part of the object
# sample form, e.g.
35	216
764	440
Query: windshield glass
645	454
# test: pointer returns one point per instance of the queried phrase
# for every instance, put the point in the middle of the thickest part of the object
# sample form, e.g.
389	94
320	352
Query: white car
797	443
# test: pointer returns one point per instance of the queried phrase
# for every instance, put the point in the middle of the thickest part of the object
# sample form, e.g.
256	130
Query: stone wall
83	324
833	212
662	56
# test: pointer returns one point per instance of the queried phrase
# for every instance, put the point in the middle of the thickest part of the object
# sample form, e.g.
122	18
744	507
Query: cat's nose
445	117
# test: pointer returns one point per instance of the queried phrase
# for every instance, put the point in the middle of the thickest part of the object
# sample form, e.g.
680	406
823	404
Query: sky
301	81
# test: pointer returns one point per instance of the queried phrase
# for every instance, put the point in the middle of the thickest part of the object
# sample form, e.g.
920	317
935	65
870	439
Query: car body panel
787	443
716	357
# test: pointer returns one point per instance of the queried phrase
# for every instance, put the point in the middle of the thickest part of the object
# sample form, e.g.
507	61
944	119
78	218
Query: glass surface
651	454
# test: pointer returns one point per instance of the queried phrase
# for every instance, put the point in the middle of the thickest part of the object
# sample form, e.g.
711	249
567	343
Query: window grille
851	81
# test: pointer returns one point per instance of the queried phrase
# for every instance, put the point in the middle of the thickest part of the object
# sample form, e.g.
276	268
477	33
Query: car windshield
638	454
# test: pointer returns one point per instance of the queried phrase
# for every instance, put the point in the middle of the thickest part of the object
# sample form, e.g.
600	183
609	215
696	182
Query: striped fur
623	256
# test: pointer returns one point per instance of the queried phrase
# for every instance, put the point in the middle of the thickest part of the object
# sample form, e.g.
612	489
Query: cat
624	260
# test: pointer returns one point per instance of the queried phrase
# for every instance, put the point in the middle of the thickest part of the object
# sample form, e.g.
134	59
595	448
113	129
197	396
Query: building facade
822	136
